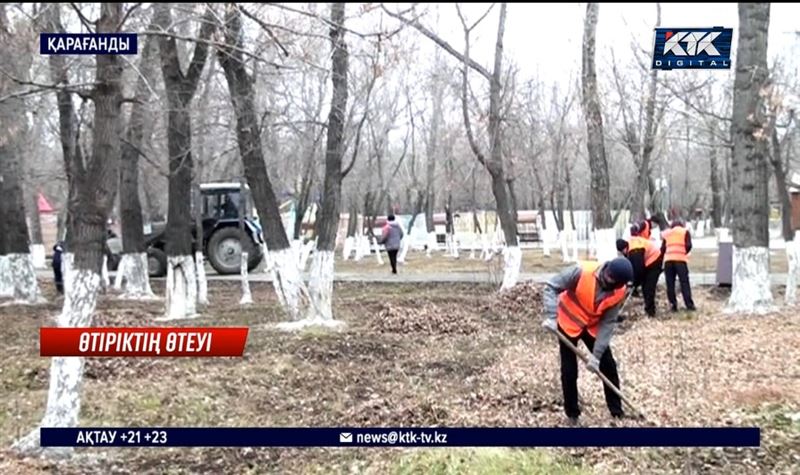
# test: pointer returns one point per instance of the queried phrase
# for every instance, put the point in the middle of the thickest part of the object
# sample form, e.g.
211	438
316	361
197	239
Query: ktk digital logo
692	48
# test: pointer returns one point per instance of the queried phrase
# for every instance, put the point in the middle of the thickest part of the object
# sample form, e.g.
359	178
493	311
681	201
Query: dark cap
620	270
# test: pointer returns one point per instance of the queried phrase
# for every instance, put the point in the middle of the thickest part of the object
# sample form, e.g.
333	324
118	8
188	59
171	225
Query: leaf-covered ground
438	354
533	261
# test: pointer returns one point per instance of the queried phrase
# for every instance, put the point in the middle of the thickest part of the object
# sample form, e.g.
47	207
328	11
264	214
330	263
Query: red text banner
143	342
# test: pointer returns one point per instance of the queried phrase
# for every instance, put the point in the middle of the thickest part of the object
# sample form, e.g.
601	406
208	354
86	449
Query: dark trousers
569	375
393	259
58	277
681	270
649	286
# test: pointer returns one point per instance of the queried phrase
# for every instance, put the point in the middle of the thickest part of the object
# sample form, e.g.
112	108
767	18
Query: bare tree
17	275
133	268
494	161
180	90
94	186
287	279
750	129
327	222
600	183
639	135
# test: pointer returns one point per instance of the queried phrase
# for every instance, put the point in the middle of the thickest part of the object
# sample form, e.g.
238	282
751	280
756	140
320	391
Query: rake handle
605	380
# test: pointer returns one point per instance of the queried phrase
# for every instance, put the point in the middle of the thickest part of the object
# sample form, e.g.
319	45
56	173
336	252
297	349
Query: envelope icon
345	437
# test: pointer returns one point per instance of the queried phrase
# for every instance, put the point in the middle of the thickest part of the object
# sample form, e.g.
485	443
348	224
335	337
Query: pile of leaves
428	318
524	300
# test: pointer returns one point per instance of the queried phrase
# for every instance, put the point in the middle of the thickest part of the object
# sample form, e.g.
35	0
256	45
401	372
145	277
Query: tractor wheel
225	251
156	262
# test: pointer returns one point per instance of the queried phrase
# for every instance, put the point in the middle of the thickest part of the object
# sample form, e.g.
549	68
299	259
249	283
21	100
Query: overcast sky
544	40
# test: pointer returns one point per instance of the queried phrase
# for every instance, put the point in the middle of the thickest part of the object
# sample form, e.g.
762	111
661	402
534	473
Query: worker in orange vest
676	246
583	303
646	258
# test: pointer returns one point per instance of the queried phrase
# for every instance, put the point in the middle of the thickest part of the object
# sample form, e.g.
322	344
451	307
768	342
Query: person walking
391	237
676	246
583	303
58	276
646	259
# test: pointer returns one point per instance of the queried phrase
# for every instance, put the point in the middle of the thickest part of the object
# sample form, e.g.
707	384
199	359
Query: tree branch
83	19
442	43
265	27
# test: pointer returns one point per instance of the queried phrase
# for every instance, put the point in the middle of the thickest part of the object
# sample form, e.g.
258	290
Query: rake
605	380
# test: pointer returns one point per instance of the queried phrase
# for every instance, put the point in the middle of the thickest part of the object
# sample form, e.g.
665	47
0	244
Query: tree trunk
638	208
132	272
327	223
18	279
247	296
94	185
432	151
716	192
350	241
749	198
199	260
287	278
180	88
605	235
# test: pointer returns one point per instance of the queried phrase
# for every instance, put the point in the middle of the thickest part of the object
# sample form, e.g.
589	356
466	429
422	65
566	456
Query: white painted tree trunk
297	249
133	277
432	243
562	244
268	264
121	271
66	373
546	242
486	252
592	245
359	247
181	288
247	297
473	246
377	248
605	244
793	258
750	292
104	270
22	279
405	244
6	280
575	257
288	283
38	255
305	253
511	268
348	247
320	293
67	260
202	281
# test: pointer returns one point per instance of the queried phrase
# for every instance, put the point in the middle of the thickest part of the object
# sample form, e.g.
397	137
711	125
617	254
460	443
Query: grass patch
490	461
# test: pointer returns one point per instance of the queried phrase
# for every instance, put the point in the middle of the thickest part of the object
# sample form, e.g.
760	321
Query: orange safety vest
676	245
651	250
577	309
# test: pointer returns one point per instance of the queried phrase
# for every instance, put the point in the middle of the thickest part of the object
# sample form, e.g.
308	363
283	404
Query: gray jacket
568	279
392	235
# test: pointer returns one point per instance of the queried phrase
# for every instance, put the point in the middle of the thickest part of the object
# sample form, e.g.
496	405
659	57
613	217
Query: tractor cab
222	242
